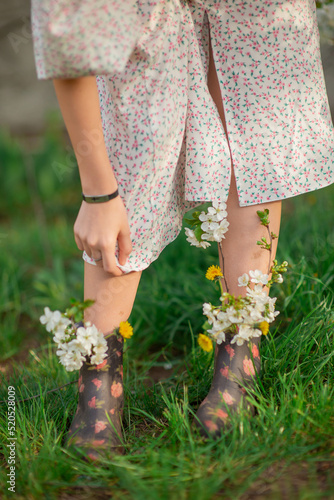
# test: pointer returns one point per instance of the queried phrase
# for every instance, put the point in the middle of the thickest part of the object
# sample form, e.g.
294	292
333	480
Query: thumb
124	247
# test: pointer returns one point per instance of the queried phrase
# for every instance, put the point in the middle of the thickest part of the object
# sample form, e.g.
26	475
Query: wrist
98	180
100	198
98	190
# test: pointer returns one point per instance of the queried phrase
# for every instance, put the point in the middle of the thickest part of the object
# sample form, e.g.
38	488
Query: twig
271	249
220	250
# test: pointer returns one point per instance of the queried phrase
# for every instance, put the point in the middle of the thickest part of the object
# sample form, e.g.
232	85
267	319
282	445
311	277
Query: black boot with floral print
233	366
97	422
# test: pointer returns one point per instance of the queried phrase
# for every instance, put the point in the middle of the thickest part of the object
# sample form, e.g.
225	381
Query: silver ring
97	260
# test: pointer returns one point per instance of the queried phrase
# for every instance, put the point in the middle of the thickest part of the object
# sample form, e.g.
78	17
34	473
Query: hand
98	227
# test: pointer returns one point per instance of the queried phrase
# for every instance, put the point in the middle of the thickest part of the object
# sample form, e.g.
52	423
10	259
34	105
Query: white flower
96	359
243	280
211	211
208	217
260	304
207	308
208	312
258	277
257	294
271	303
50	319
221	315
223	320
216	327
85	339
257	332
244	334
60	328
209	221
60	336
73	361
204	244
279	278
233	315
93	332
218	233
75	346
208	236
220	337
76	355
221	205
71	366
220	209
237	340
209	225
191	238
70	355
271	315
255	314
62	349
189	232
101	345
100	349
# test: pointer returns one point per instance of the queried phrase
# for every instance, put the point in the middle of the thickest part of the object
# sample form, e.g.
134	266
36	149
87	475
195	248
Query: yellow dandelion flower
125	329
264	327
213	272
205	342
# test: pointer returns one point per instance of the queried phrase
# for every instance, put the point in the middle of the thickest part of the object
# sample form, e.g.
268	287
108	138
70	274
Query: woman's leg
233	364
114	296
239	246
97	422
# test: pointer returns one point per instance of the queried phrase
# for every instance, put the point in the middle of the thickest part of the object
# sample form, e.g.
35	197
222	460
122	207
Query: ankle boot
233	367
97	422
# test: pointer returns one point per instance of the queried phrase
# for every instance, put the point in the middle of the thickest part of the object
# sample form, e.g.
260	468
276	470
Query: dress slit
218	94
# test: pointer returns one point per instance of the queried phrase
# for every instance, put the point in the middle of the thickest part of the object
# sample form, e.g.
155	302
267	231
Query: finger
81	242
78	242
97	256
109	261
87	249
125	247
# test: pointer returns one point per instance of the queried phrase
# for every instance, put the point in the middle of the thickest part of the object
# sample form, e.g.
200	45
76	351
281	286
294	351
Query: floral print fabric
162	130
82	37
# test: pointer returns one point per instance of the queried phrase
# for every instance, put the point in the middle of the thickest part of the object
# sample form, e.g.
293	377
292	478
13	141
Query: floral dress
162	129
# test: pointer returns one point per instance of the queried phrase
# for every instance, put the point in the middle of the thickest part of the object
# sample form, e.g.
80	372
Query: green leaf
88	303
198	233
196	214
206	325
263	216
78	316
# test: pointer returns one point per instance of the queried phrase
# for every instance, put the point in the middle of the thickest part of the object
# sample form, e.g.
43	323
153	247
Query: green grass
286	451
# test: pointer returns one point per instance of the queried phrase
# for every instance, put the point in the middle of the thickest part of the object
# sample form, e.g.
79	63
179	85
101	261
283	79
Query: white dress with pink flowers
162	130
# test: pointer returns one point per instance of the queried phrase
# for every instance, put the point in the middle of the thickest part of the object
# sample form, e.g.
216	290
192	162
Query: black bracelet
100	198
